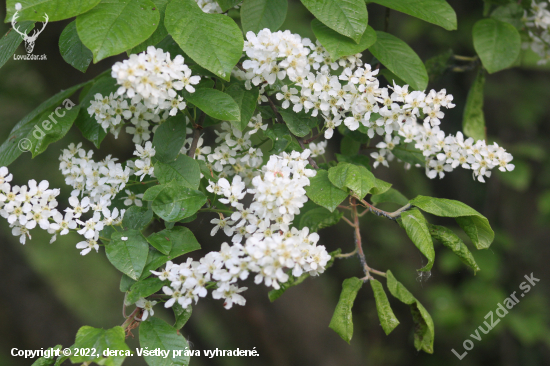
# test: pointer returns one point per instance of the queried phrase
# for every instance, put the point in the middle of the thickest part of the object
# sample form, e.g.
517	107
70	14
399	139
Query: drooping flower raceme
537	22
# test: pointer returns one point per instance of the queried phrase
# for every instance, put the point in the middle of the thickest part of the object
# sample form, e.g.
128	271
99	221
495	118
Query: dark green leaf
56	9
391	78
159	34
247	100
361	160
11	40
341	321
182	315
391	195
281	137
100	340
259	14
174	242
409	154
349	147
174	201
73	50
448	238
137	218
184	170
510	13
437	12
128	256
323	192
299	124
125	283
387	318
473	121
416	227
497	43
169	138
52	128
338	45
143	288
437	65
155	259
216	104
156	333
43	361
319	218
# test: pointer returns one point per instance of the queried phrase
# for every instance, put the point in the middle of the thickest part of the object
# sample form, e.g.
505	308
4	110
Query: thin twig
389	215
196	135
349	222
347	255
311	139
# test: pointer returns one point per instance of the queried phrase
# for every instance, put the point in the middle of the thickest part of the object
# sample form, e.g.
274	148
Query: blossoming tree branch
270	101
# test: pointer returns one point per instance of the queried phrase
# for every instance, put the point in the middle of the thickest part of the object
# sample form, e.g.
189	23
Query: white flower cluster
143	165
271	248
353	96
211	6
149	83
537	21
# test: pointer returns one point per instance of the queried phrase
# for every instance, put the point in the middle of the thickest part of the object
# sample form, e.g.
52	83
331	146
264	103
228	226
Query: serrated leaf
338	45
380	187
357	178
174	242
259	14
387	318
156	333
319	218
448	238
214	41
299	124
100	340
216	104
341	321
400	59
130	255
136	218
473	121
159	34
347	17
424	326
247	100
437	12
416	227
56	9
73	50
143	288
472	222
184	170
174	201
323	192
169	138
182	315
497	43
11	40
52	128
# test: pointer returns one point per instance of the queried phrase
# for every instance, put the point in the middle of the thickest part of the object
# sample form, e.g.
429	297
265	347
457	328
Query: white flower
147	307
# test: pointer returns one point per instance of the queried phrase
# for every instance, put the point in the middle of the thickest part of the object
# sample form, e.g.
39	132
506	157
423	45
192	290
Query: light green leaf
357	178
43	361
387	318
424	326
473	121
246	100
182	315
391	195
174	201
130	255
159	34
174	242
100	339
11	40
323	192
319	218
169	138
136	218
10	149
52	128
156	333
214	41
448	238
184	170
215	103
227	4
400	59
497	43
417	229
347	17
472	222
143	288
437	12
115	26
56	9
338	45
380	187
341	321
259	14
73	50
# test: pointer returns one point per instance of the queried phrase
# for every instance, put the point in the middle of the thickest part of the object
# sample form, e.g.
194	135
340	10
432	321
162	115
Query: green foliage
300	124
169	138
448	238
174	242
473	121
409	154
56	9
400	59
43	361
388	321
213	41
416	227
73	50
137	218
174	201
143	288
159	34
319	218
259	14
341	321
11	40
52	128
510	13
323	192
357	178
216	104
437	65
182	315
338	45
437	12
497	43
391	195
128	255
100	340
246	100
184	170
156	333
347	17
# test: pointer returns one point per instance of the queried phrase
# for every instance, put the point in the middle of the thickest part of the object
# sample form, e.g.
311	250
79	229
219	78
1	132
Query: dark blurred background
49	291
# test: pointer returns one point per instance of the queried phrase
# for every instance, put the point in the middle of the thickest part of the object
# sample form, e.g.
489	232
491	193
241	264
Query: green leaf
437	12
361	160
357	178
472	222
128	256
174	242
391	195
259	14
338	45
73	50
448	238
347	17
400	59
473	121
184	170
416	227
155	259
299	124
437	65
319	218
227	4
380	187
100	339
391	78
52	128
281	137
137	218
156	333
169	138
10	149
424	326
87	124
214	41
174	201
215	103
387	318
11	40
115	26
341	321
159	34
323	192
43	361
143	288
125	283
510	13
246	100
497	43
182	315
56	9
409	154
349	147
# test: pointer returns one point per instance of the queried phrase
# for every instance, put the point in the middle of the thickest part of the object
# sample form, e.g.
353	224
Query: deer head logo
29	40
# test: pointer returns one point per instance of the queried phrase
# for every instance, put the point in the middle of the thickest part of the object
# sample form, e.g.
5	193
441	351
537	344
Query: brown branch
196	135
389	215
311	139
